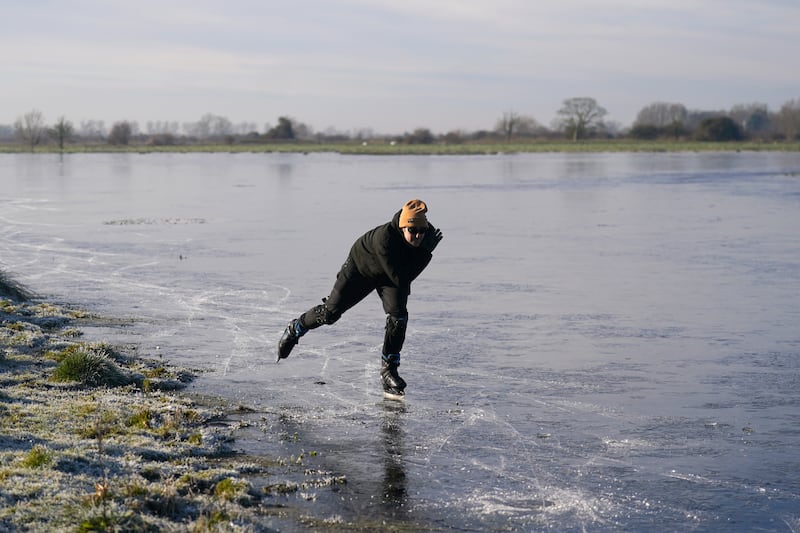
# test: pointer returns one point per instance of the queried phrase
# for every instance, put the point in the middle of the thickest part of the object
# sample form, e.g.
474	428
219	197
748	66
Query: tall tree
789	119
210	126
284	129
120	133
579	116
162	127
661	115
62	131
31	128
507	124
92	129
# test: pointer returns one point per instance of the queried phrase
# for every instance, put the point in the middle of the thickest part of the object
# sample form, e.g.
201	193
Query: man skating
385	259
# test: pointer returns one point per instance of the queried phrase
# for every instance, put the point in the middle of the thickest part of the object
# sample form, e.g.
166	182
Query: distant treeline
579	119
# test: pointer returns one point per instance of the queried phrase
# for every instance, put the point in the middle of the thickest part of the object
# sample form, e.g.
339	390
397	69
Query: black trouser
349	289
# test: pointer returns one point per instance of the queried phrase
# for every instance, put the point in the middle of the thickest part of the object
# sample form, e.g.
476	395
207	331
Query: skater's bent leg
349	289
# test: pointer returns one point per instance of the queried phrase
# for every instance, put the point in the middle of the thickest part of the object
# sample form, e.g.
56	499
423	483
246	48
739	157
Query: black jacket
383	256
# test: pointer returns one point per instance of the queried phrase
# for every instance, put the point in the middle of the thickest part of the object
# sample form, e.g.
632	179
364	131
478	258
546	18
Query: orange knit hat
413	215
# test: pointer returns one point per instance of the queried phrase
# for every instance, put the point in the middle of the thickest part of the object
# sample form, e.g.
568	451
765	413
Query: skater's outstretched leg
311	319
349	289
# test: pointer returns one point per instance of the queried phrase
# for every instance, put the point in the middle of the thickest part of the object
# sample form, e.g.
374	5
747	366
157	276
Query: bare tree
245	128
361	134
221	127
302	131
209	126
512	123
661	115
31	128
62	131
529	126
579	116
162	128
92	129
661	118
789	119
507	124
331	134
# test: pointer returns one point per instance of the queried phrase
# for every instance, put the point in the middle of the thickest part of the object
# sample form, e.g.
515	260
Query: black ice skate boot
393	385
290	336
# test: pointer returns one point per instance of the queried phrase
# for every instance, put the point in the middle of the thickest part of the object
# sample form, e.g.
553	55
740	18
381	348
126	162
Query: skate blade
394	396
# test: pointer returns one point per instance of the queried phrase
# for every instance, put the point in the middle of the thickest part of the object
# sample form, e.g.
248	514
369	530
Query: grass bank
383	148
100	438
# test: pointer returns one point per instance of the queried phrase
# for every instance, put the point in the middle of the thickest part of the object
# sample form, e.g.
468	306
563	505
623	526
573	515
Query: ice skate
289	339
393	385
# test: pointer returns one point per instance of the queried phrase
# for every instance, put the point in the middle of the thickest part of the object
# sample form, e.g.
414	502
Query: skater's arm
391	270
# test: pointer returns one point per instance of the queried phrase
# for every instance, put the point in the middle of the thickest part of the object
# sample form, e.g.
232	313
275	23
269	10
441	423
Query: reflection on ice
395	493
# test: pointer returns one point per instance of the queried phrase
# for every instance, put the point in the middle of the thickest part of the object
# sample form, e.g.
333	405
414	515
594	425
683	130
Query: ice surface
602	341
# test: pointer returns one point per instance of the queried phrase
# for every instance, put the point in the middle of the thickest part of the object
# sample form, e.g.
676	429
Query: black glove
431	240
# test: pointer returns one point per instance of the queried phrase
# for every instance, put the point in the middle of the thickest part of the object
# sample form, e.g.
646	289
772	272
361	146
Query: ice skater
386	259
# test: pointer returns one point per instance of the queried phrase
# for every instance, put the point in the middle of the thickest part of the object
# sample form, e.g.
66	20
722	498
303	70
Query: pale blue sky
391	66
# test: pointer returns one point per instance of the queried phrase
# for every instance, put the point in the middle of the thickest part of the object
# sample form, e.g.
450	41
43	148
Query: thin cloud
391	65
